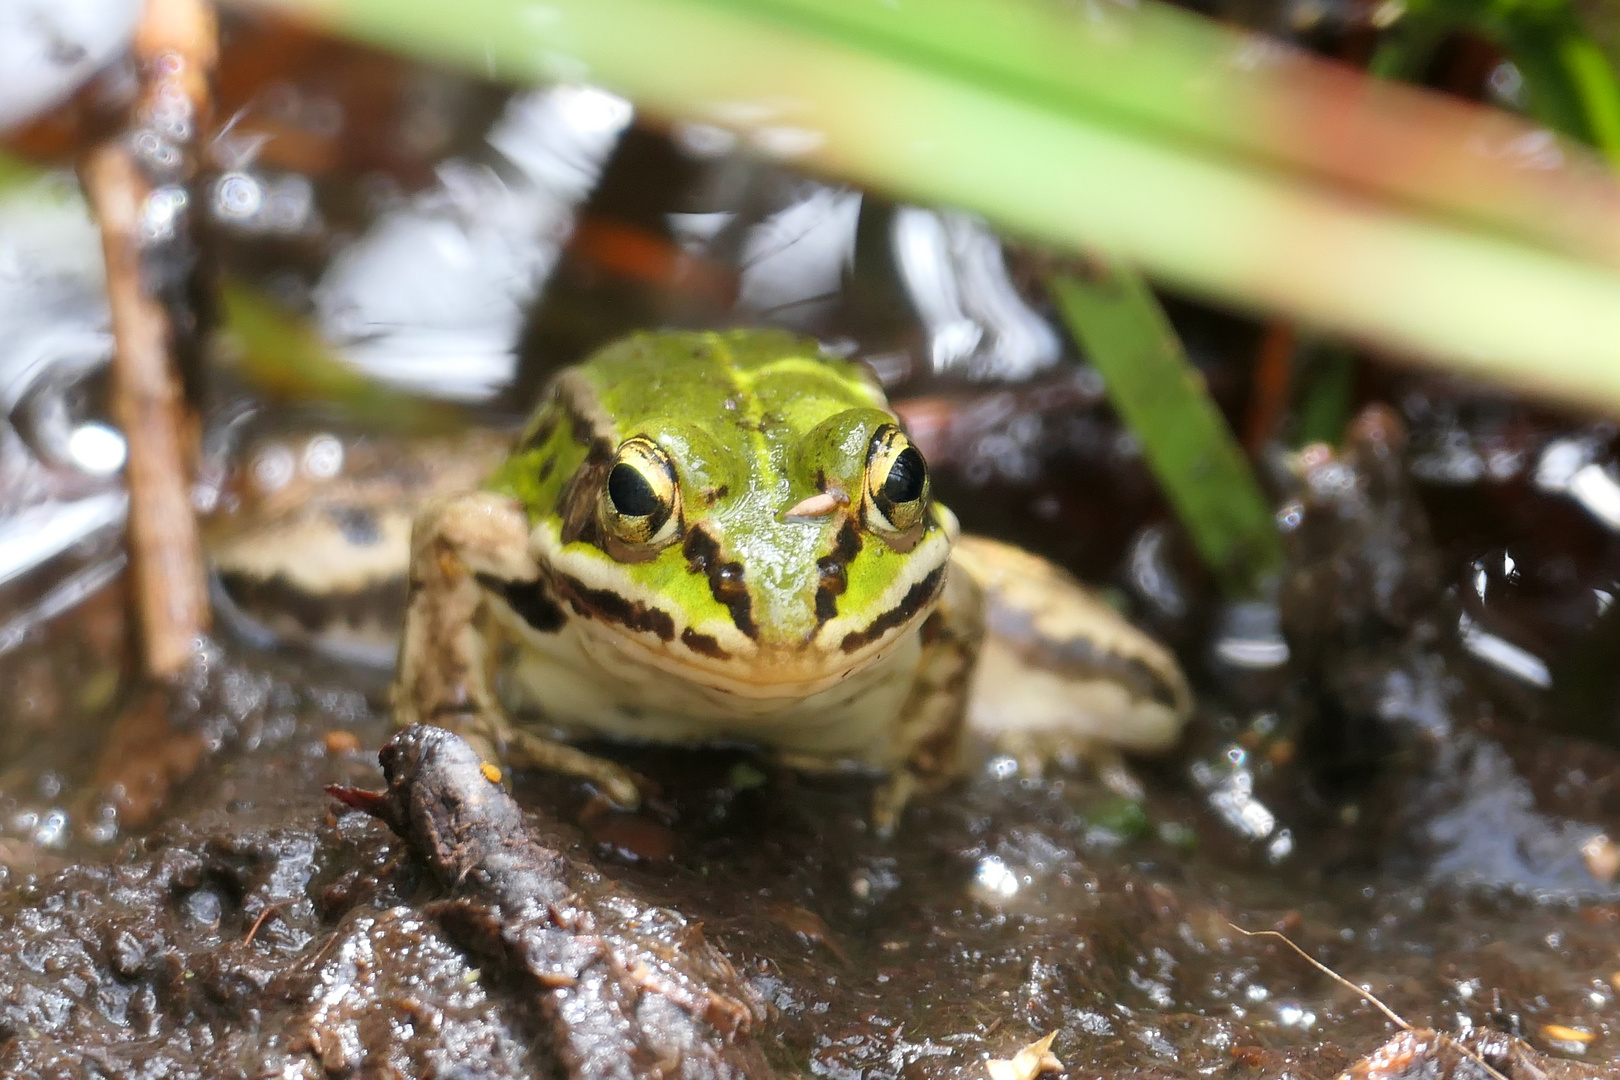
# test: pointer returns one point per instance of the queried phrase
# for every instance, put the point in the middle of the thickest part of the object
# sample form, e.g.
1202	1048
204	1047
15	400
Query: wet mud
264	927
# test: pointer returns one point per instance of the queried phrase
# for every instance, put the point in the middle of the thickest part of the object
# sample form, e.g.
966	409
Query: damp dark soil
182	896
262	927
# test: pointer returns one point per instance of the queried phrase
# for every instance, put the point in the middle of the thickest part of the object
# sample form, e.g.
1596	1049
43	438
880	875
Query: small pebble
341	742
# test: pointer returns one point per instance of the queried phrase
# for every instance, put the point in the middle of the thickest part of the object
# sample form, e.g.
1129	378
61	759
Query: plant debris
1028	1063
618	996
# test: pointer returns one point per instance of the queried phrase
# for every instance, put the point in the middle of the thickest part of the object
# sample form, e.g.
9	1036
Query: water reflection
1228	783
795	262
48	48
433	298
61	507
1579	468
957	279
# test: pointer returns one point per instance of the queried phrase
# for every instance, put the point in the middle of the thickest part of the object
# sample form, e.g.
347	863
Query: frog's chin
786	672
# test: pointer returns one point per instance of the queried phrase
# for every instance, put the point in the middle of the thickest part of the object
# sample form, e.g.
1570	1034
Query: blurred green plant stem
1217	162
1115	317
1569	83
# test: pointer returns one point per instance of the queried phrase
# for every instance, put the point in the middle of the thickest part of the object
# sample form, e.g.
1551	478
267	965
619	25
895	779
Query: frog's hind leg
1061	673
469	557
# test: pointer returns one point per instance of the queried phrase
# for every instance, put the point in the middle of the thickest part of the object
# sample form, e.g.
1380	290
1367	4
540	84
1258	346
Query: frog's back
768	379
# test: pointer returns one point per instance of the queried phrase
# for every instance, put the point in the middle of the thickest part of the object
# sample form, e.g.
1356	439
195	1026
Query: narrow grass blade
1327	376
1116	319
1168	74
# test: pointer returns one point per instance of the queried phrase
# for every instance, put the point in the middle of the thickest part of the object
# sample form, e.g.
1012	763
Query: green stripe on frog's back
757	389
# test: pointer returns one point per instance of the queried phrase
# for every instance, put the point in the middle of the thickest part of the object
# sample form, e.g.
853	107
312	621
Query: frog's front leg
931	723
464	548
1062	674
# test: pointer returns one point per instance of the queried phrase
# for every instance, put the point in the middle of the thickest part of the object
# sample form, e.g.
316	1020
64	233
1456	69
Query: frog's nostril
815	506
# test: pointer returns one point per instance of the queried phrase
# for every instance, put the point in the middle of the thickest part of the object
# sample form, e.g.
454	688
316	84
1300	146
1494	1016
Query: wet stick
586	956
176	44
170	592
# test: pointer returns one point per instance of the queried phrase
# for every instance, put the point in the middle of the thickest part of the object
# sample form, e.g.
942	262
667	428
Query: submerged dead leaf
1558	1033
1030	1062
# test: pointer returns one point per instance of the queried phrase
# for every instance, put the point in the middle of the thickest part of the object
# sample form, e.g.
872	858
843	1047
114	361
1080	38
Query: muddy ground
257	926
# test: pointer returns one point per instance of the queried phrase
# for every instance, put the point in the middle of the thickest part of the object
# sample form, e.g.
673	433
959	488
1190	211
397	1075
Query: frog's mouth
739	653
733	662
760	677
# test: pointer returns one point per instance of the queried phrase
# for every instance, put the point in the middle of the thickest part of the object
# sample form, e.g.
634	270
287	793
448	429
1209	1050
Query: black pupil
905	480
631	494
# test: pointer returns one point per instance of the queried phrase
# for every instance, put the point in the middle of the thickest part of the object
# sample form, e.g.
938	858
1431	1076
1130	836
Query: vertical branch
148	404
1272	385
176	45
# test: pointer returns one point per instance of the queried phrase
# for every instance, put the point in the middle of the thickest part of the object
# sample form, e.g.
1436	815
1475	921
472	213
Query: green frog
728	537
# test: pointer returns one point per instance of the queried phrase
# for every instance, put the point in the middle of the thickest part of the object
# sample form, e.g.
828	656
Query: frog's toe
890	799
623	786
619	784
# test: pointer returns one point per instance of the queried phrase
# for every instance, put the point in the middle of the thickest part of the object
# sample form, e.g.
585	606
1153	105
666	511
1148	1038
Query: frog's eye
896	483
640	502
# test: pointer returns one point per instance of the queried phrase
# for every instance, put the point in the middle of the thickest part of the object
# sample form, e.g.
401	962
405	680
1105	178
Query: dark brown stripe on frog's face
917	597
576	400
726	583
607	606
832	578
542	431
703	643
531	600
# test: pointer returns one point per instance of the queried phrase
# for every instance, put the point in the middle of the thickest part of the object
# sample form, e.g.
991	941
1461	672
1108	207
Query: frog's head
740	508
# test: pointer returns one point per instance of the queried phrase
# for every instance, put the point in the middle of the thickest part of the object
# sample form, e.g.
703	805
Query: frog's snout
818	505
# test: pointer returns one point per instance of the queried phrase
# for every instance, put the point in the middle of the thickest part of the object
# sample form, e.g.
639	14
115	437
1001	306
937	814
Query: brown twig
1272	380
263	915
1368	996
170	594
585	961
176	44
